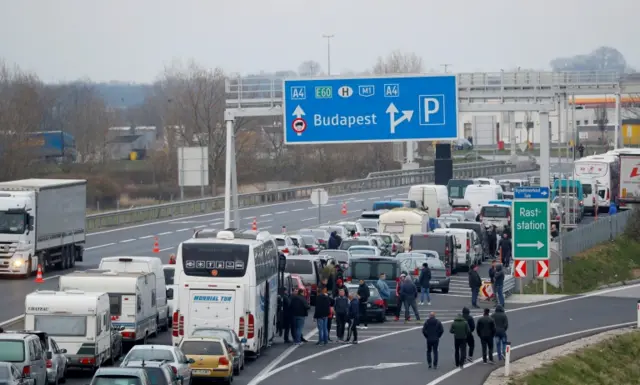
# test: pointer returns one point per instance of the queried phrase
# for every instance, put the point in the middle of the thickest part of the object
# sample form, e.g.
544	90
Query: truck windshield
12	223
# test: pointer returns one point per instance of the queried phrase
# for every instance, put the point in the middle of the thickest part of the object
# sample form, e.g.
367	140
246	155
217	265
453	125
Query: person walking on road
399	297
323	308
383	289
460	330
492	277
432	331
287	318
341	308
475	282
425	282
299	311
409	292
340	286
505	249
499	285
471	342
334	241
501	324
486	330
354	315
363	294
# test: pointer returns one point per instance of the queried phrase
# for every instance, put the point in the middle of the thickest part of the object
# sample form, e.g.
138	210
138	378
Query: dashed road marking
181	230
281	212
266	215
166	233
100	246
168	248
308	219
199	227
389	196
128	240
297	209
145	237
374	198
359	200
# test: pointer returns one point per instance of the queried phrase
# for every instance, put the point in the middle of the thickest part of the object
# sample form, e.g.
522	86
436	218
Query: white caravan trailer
131	299
79	321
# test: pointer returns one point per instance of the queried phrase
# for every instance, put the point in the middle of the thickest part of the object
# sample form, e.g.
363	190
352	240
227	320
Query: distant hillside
123	95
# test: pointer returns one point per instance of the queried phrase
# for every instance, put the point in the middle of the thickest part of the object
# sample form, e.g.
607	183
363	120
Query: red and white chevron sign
520	268
543	269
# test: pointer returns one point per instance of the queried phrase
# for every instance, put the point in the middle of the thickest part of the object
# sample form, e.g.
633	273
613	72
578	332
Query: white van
470	250
480	195
78	321
434	198
496	215
144	265
132	299
404	222
485	181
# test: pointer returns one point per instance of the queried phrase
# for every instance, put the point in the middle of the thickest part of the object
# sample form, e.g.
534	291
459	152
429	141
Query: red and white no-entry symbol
520	269
299	125
543	269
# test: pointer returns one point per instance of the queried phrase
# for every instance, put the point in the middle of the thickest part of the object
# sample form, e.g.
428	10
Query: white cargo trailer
42	223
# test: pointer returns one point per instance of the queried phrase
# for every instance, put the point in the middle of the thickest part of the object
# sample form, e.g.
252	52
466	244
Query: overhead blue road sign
372	109
534	192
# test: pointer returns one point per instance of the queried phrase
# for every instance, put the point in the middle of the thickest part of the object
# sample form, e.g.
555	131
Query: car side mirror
458	246
191	361
244	340
169	293
63	351
49	355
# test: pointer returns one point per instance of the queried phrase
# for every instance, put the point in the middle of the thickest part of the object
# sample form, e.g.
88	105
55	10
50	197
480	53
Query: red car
300	285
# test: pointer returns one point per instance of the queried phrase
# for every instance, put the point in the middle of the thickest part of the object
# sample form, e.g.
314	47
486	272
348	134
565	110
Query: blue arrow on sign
532	192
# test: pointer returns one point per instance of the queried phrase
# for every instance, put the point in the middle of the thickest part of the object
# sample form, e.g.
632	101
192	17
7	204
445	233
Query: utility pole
328	37
446	67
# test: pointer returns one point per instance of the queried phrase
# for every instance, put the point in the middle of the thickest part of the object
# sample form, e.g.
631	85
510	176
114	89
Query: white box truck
42	223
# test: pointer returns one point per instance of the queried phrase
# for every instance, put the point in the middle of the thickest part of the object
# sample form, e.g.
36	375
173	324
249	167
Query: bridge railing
206	205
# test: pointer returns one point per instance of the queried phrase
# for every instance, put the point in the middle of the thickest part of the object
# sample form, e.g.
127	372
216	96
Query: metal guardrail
207	205
587	236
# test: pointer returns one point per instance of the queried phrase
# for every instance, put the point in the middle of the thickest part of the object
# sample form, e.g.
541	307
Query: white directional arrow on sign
539	245
392	111
374	367
298	112
543	193
520	269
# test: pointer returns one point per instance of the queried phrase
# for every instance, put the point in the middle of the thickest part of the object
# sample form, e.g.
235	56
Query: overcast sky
133	40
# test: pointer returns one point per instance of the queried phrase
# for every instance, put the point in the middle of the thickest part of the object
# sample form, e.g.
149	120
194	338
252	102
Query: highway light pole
446	67
328	37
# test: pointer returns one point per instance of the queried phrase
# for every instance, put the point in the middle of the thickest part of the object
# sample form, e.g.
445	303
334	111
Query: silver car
27	353
11	375
236	345
57	365
286	246
172	355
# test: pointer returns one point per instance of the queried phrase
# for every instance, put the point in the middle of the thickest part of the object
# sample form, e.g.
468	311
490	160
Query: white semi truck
42	223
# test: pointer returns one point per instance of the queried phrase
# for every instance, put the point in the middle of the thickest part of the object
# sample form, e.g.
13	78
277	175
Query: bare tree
309	68
399	62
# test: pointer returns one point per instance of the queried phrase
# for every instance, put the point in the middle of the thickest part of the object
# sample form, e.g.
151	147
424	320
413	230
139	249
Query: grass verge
614	361
606	263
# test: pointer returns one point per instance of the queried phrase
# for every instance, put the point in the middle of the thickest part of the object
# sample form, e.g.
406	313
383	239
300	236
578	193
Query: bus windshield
228	260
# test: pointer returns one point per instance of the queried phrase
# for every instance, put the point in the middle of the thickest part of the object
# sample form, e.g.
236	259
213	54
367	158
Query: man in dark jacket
354	316
341	308
460	330
286	318
471	343
432	330
340	286
499	285
492	277
502	324
363	294
493	241
323	308
486	329
409	293
475	282
424	279
505	249
334	241
299	310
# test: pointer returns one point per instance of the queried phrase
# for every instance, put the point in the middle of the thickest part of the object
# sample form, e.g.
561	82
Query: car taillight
224	361
181	325
49	364
87	361
251	328
593	200
416	271
321	241
130	335
26	370
394	247
286	251
311	248
348	279
241	327
314	287
446	251
468	245
379	302
175	370
175	320
438	212
357	234
448	272
607	198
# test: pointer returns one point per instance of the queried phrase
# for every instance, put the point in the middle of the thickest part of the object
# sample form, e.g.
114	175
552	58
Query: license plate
201	371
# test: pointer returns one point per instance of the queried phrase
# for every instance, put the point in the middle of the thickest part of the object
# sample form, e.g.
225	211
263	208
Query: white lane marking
52	277
455	371
128	240
248	218
389	196
374	198
297	209
145	237
264	228
330	204
265	371
166	233
168	248
331	350
199	227
312	208
400	195
403	188
215	223
266	215
359	200
281	212
100	246
181	230
308	219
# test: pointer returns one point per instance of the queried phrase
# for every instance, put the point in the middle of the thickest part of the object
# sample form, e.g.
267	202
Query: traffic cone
39	275
344	208
156	246
254	225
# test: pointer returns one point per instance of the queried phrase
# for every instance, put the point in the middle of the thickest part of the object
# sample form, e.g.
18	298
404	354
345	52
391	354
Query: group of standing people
489	328
496	275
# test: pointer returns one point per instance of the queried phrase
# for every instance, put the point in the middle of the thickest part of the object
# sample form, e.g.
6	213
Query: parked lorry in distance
42	223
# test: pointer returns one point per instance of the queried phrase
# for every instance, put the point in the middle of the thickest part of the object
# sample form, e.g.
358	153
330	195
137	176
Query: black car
376	310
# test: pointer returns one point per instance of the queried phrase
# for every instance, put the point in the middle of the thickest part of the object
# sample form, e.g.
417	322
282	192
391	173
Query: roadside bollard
284	229
507	360
638	311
